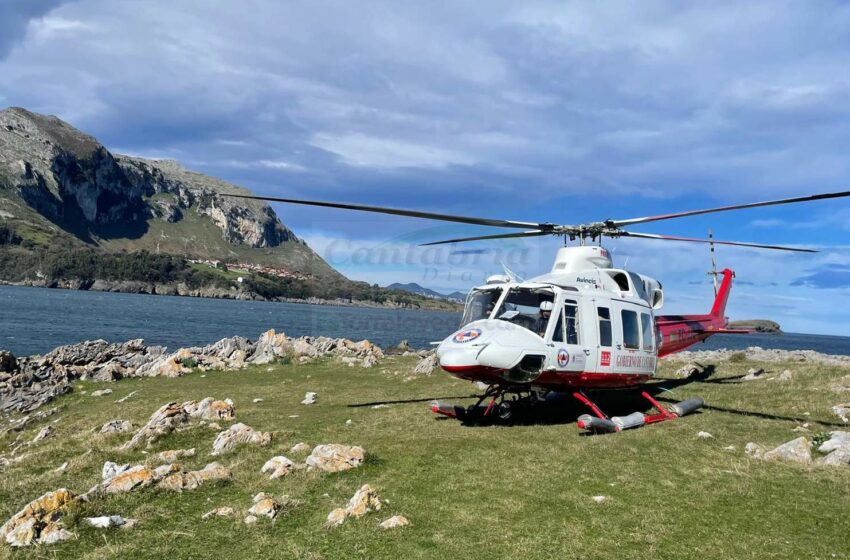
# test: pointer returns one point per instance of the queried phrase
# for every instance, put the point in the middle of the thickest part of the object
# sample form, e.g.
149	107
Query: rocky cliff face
54	178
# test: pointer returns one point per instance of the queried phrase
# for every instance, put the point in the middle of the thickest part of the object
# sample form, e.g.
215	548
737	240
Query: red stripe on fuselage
553	379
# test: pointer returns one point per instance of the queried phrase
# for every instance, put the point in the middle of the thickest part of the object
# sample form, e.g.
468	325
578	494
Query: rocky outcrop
365	500
38	379
278	467
183	480
40	520
72	179
236	435
335	457
758	354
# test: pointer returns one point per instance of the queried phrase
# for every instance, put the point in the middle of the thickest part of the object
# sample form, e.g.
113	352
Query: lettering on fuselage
634	361
683	334
586	280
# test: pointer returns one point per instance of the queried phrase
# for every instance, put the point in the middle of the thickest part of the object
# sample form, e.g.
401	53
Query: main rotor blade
533	233
399	212
736	243
824	196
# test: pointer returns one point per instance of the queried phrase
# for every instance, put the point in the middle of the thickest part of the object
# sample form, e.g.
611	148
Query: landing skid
500	407
600	423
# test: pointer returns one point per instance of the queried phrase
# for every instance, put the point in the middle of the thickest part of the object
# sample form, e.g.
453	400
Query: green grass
520	491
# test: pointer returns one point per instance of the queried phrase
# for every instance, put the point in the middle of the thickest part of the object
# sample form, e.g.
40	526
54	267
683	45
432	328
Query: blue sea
36	320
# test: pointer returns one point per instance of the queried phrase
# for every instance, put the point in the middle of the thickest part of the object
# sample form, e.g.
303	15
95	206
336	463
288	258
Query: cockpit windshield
480	305
529	308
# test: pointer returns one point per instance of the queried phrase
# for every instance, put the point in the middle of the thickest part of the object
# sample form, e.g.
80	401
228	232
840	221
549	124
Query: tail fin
719	307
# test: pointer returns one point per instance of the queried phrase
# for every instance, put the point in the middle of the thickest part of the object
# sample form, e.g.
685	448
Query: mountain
57	182
414	288
75	215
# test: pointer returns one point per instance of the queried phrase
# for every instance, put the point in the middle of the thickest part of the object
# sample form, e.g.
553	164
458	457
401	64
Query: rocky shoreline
157	289
30	382
758	354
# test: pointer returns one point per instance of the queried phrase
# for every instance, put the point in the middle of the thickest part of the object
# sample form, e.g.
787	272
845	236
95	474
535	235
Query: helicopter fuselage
575	327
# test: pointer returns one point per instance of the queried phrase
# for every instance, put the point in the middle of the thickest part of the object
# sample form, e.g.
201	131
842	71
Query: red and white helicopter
583	325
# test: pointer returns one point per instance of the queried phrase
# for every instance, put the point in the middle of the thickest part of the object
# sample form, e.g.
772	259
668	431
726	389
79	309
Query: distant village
250	267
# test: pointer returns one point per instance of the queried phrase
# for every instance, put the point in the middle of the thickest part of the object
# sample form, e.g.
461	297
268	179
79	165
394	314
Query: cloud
540	111
829	276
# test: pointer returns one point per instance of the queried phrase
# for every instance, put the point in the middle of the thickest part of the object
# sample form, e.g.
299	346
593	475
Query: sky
566	112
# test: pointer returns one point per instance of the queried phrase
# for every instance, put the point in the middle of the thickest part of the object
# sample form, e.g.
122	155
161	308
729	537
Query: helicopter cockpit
529	308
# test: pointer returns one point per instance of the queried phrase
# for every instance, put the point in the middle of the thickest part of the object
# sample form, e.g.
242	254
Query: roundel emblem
467	335
563	357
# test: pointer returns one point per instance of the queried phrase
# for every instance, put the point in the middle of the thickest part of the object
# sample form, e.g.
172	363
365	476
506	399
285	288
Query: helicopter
583	325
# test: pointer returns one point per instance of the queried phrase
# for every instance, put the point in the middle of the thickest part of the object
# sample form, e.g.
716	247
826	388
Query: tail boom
677	332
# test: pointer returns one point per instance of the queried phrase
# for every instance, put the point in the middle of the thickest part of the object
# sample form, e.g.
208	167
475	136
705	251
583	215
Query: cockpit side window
480	305
528	308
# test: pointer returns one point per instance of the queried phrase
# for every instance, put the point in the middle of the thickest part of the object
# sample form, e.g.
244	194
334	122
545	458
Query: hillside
75	215
518	491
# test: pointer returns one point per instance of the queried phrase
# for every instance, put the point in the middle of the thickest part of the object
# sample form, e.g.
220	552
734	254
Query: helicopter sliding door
633	339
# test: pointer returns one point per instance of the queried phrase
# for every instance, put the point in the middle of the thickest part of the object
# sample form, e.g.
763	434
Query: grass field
518	491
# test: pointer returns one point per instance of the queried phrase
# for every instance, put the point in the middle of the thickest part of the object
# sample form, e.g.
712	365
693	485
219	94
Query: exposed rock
161	423
755	450
704	435
35	380
101	393
365	500
394	522
757	354
219	512
39	522
278	467
753	374
599	499
111	470
427	365
250	519
236	435
265	506
785	376
310	398
299	447
180	481
61	468
42	433
172	456
401	348
139	476
108	521
210	409
842	411
335	457
116	427
691	369
837	440
797	451
8	362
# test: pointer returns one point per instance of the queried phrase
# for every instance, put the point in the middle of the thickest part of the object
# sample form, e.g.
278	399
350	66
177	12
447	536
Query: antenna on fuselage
713	272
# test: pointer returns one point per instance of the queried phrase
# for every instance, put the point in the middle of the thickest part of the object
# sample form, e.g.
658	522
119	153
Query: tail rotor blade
715	241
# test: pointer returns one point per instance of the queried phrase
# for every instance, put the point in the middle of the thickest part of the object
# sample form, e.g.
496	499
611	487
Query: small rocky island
762	326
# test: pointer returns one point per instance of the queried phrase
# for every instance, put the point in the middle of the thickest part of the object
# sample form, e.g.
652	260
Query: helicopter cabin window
631	329
529	308
567	323
604	315
480	306
646	329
